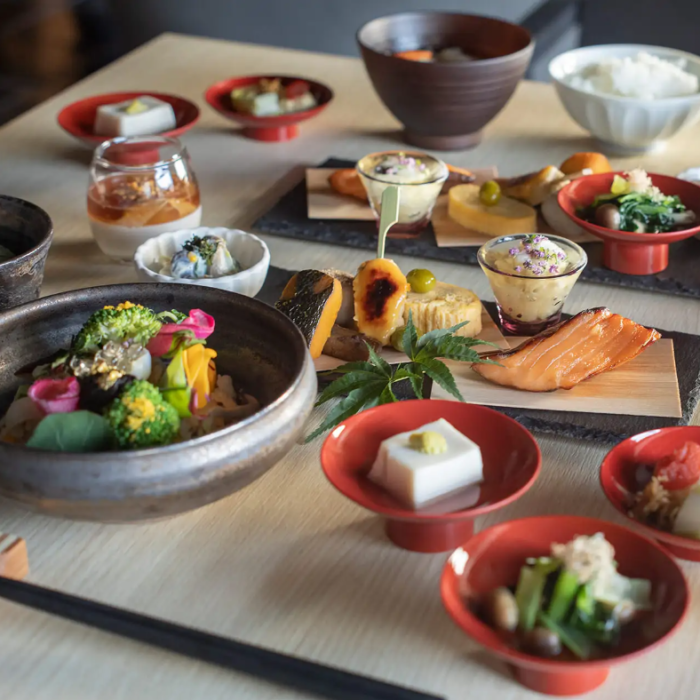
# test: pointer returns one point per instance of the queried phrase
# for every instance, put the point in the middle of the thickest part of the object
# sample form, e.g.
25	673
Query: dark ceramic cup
27	231
444	106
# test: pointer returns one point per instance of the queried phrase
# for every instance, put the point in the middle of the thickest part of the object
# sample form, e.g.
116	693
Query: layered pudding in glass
531	276
419	178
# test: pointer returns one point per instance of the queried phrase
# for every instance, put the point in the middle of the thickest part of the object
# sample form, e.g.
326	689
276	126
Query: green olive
396	340
490	193
421	281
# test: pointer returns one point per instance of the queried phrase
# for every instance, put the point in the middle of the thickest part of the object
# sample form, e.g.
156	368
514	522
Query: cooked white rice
642	76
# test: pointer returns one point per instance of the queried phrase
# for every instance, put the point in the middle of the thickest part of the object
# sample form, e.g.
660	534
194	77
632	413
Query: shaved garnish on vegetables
635	204
574	599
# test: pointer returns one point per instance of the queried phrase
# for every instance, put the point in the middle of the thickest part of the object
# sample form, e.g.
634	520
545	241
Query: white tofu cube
147	117
416	478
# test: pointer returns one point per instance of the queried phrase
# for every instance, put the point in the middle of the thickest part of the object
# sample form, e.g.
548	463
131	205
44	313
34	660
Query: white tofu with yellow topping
416	477
143	116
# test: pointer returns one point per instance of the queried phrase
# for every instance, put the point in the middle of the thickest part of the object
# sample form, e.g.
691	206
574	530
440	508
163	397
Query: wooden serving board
646	386
649	375
323	202
489	332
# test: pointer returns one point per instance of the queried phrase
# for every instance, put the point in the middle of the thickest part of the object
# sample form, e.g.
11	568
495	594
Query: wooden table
288	563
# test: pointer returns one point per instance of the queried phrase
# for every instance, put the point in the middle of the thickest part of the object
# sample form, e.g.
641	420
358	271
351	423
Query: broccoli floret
140	417
126	321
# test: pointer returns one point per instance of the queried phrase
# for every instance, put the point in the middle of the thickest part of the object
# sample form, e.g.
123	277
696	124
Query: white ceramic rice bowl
627	123
250	251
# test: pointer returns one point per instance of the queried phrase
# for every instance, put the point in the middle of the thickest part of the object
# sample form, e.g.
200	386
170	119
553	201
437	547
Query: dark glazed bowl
444	106
259	347
27	231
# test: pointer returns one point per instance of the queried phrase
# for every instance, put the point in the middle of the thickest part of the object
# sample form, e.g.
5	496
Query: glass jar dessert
419	177
140	187
531	276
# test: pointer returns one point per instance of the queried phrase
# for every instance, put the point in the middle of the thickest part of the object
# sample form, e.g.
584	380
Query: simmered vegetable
312	299
635	204
574	599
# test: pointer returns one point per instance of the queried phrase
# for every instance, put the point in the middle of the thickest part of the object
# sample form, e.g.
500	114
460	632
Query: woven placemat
601	427
288	218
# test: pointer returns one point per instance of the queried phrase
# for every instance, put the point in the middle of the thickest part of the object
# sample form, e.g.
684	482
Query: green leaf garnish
79	431
371	383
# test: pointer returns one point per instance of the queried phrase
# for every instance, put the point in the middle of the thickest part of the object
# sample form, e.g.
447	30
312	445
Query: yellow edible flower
141	409
124	305
197	360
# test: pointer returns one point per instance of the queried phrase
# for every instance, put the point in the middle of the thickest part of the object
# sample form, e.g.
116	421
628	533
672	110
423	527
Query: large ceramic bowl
631	459
625	124
259	347
494	557
27	231
250	251
444	106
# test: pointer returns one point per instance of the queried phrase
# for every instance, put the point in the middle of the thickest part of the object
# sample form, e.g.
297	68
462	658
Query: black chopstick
267	665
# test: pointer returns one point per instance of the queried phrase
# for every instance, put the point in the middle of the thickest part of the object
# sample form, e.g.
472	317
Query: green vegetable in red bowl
573	601
634	204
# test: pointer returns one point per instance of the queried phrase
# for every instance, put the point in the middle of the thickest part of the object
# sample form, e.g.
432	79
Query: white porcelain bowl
624	123
249	250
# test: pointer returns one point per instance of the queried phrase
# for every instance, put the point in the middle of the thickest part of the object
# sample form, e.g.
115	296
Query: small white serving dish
626	125
249	250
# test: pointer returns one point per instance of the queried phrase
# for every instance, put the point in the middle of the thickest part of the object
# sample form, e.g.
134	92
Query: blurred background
46	45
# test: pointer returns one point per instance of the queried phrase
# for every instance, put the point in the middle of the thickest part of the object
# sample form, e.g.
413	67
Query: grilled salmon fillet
589	343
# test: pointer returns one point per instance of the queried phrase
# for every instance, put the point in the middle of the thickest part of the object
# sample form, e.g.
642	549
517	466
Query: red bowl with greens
630	252
493	558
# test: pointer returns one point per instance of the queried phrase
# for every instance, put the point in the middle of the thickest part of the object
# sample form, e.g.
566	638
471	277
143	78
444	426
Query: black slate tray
288	218
600	427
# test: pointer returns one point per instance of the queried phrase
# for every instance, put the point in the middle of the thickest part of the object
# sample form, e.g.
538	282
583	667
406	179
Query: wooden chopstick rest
14	562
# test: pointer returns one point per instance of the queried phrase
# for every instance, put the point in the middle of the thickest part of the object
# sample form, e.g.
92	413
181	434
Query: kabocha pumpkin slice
312	299
380	295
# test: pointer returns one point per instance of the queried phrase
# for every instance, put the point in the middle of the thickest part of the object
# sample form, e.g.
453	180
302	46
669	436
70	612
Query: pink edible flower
55	395
200	323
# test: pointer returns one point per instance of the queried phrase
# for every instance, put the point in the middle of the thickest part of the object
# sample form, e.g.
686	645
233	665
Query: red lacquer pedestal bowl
78	118
278	128
493	558
626	466
625	251
511	464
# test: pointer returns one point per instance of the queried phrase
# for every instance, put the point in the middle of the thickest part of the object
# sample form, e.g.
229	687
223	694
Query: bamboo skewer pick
14	562
388	217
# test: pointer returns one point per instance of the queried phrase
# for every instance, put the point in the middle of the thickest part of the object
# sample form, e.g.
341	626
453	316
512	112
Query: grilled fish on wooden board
589	343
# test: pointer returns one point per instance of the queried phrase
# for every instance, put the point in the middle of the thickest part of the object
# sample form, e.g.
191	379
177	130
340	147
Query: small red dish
493	558
284	127
624	251
511	464
618	478
78	119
